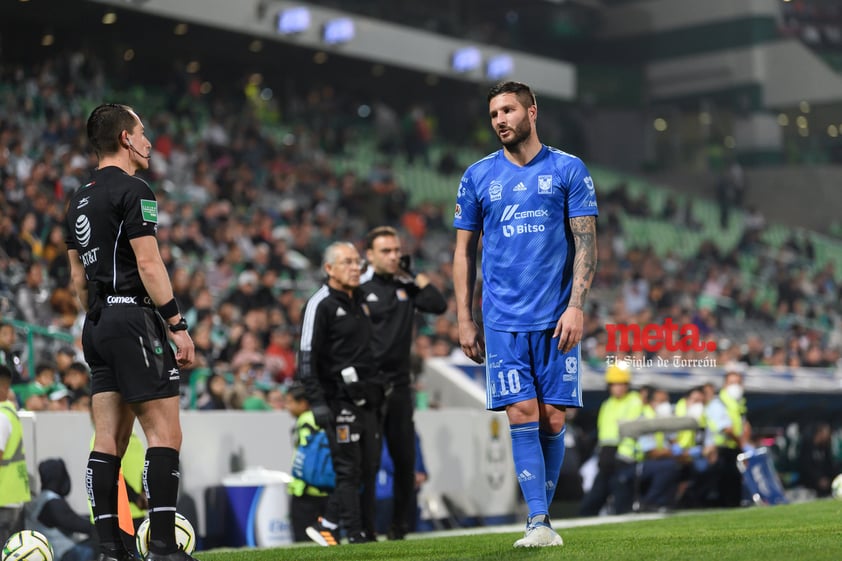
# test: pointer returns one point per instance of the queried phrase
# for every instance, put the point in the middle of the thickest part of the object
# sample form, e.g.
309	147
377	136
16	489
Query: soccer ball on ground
27	545
185	537
836	487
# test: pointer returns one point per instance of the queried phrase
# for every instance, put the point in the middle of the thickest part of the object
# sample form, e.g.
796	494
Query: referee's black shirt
102	217
392	302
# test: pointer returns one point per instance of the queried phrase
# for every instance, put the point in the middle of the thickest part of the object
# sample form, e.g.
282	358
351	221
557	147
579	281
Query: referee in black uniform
119	277
393	294
336	366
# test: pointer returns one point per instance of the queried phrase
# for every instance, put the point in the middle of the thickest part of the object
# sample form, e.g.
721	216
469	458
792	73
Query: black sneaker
360	537
116	556
179	555
322	535
397	533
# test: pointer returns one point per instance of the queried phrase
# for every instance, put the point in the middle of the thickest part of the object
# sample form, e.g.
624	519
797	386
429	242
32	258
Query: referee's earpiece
131	147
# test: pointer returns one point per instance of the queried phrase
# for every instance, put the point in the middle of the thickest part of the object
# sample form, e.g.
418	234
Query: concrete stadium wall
467	453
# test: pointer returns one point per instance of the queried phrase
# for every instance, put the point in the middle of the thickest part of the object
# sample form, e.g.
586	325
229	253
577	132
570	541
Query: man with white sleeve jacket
337	367
393	294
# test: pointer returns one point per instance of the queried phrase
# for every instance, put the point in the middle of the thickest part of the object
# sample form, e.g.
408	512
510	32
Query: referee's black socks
101	482
160	480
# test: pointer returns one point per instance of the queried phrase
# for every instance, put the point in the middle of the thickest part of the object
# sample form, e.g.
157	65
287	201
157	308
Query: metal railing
31	330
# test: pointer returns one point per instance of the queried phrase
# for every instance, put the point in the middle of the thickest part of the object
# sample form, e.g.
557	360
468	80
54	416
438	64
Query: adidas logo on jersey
340	312
519	187
525	475
372	298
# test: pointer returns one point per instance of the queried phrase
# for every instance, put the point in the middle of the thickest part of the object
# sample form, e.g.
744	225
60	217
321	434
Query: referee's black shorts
128	352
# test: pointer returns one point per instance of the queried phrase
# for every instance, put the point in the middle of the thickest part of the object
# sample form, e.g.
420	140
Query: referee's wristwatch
181	325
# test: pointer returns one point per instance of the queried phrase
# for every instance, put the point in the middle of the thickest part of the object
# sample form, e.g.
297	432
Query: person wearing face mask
694	452
730	432
658	469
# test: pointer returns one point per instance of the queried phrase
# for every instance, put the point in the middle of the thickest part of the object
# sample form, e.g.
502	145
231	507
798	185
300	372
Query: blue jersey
523	213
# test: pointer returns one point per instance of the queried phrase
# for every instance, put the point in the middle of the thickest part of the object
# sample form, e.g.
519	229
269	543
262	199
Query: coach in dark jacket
393	294
336	365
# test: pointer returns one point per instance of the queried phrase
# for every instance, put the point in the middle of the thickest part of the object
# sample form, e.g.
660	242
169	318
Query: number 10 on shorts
508	382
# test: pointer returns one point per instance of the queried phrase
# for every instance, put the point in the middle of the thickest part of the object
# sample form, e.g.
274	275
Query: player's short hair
379	232
105	125
524	93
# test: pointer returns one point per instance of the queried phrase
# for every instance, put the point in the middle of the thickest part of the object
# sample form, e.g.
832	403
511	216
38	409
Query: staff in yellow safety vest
615	454
695	450
659	469
14	479
729	431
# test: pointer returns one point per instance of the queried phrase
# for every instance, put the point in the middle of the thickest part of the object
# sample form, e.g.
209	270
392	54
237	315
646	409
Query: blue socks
553	447
529	465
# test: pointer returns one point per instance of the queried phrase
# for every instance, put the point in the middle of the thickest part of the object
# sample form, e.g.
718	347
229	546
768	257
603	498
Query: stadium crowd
246	213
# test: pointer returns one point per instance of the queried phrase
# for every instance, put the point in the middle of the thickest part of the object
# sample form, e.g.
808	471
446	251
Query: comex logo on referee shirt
511	213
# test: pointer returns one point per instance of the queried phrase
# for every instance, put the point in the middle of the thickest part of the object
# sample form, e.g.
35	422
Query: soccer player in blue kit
535	208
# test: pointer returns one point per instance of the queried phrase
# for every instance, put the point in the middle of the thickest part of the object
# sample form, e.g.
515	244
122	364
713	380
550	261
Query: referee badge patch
401	294
149	210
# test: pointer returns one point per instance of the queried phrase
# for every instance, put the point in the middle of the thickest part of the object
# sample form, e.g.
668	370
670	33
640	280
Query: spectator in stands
59	399
65	356
10	355
34	396
244	297
280	355
215	396
31	238
32	297
77	380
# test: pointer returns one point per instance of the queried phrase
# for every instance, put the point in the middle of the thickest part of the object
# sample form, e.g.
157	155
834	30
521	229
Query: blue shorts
528	365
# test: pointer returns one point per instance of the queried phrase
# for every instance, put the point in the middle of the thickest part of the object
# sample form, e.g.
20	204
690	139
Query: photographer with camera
393	294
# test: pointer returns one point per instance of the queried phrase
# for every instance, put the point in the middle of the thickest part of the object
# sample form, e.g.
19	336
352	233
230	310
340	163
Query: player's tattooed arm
584	263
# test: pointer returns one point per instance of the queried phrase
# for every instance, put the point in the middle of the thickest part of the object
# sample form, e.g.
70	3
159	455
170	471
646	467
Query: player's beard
519	135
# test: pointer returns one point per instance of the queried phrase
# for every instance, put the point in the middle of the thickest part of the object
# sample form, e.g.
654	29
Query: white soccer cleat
539	533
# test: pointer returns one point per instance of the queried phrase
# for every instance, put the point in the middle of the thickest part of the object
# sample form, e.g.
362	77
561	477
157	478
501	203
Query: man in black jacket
393	294
336	365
